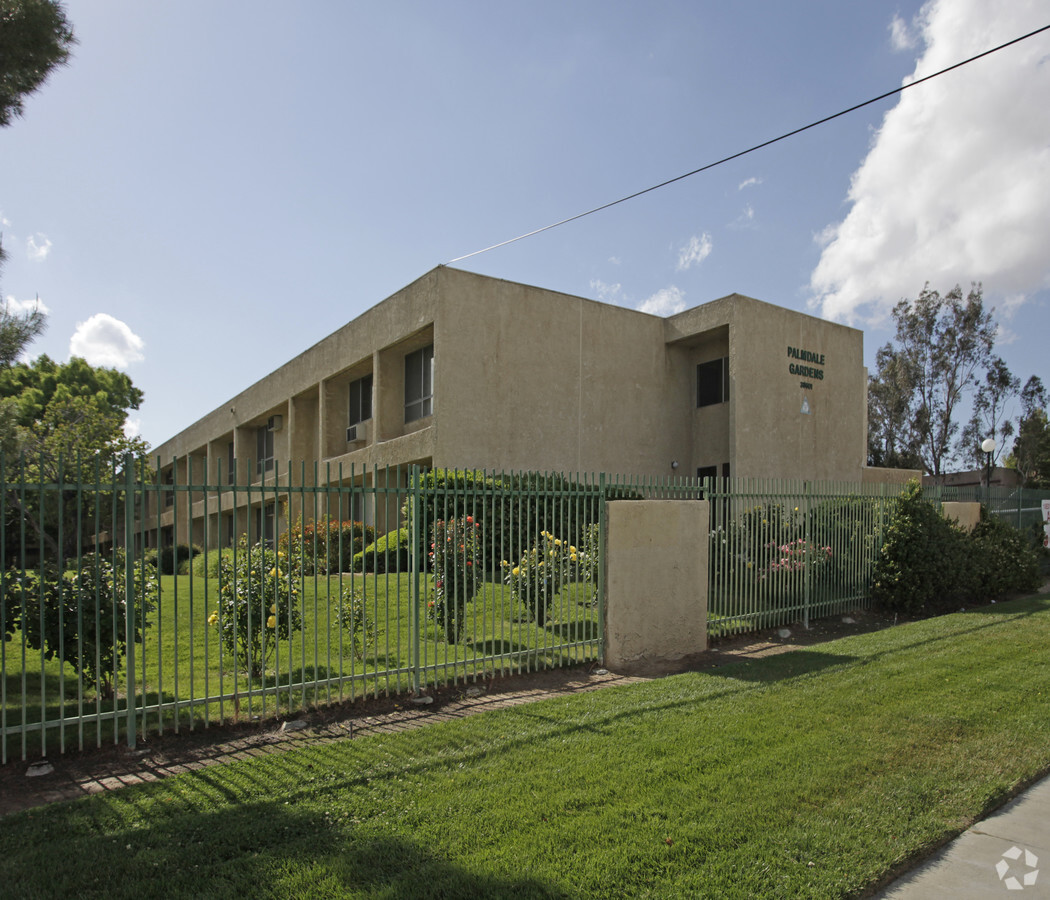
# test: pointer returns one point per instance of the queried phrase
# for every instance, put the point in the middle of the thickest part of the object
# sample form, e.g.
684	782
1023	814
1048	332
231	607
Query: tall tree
942	343
1031	453
989	418
891	438
35	38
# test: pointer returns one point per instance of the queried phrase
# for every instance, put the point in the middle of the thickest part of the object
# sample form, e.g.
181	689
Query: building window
169	496
360	401
265	520
712	382
231	465
419	384
264	445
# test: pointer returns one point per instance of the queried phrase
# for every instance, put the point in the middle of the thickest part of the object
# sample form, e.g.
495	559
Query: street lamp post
988	446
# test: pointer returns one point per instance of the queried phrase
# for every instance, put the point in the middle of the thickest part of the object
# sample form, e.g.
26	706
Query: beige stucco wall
879	475
769	435
528	378
965	515
655	583
532	379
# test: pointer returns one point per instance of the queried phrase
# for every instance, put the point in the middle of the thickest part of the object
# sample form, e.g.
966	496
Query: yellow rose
273	608
213	619
515	571
273	571
271	622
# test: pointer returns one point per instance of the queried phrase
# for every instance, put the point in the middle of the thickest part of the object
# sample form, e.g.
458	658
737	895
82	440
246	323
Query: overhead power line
782	137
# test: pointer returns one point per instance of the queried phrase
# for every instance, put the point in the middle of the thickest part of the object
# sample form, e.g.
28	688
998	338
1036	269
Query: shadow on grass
585	630
245	849
785	665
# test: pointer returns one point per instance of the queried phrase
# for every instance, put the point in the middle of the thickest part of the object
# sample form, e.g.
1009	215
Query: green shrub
928	564
84	613
1001	561
921	565
169	559
455	559
513	509
539	574
390	553
258	605
207	564
327	545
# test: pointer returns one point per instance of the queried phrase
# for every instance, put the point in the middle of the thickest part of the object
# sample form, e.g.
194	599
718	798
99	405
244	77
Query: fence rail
110	635
326	585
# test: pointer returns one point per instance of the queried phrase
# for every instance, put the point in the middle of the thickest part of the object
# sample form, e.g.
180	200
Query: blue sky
210	188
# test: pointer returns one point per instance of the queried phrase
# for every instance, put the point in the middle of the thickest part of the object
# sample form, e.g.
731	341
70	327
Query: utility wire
726	159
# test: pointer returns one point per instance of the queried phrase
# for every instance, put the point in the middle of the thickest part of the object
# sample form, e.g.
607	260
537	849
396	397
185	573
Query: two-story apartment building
459	370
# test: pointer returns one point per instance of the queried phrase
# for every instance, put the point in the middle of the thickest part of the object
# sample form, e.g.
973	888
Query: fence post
415	568
602	508
807	581
129	594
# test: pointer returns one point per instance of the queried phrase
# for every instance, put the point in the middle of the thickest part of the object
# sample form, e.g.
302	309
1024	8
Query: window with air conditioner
360	410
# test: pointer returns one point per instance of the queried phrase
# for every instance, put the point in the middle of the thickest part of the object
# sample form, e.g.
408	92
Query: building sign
809	365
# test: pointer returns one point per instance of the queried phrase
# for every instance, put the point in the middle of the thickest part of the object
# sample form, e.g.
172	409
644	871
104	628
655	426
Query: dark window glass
712	382
360	400
419	384
264	446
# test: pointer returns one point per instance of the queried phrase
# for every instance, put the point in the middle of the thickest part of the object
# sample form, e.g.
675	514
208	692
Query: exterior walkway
1007	854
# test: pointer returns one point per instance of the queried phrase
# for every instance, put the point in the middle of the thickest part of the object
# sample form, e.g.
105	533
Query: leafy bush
390	553
258	604
538	575
327	545
455	558
512	509
355	619
1001	561
84	612
922	558
207	564
169	559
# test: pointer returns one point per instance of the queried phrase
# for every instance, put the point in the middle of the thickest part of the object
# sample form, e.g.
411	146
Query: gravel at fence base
78	774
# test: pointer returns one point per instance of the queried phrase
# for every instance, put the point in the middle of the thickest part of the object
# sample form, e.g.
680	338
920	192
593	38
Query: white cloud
695	252
607	293
902	37
38	247
21	306
749	182
105	341
665	302
954	187
746	219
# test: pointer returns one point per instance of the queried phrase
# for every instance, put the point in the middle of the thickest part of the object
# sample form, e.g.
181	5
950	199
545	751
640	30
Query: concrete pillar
655	583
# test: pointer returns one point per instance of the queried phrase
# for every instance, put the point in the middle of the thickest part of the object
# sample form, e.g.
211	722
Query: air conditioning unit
355	434
275	423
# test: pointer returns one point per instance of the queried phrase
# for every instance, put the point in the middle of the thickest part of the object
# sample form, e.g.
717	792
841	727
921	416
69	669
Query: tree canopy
35	38
921	382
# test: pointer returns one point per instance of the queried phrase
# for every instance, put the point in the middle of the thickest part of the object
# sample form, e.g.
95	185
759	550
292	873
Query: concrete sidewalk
1007	854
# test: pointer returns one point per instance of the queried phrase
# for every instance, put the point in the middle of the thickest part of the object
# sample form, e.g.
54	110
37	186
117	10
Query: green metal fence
787	551
111	635
325	585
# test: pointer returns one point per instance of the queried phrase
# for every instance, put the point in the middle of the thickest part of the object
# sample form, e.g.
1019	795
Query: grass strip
812	773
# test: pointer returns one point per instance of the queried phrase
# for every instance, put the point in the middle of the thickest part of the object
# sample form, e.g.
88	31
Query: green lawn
812	773
181	658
